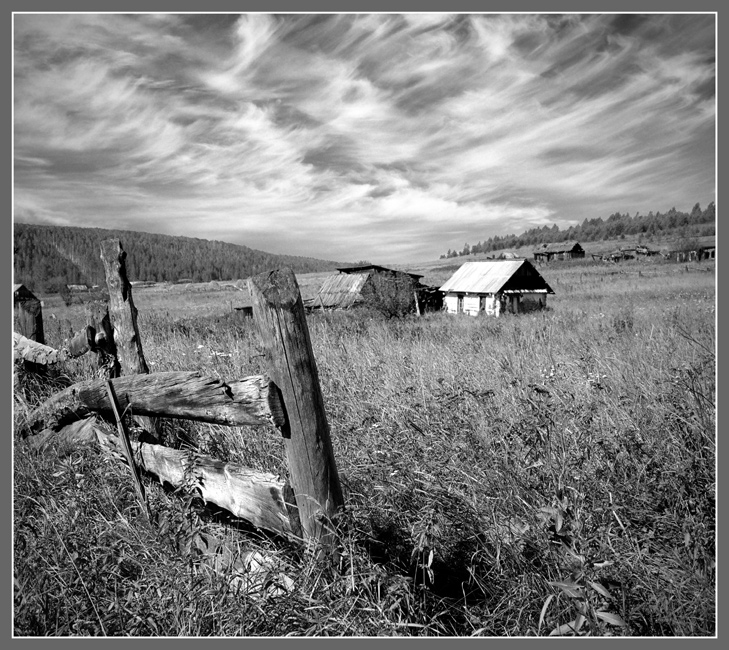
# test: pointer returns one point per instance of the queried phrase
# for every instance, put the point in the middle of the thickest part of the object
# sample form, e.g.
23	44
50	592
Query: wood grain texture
257	497
122	311
26	349
190	395
254	496
281	321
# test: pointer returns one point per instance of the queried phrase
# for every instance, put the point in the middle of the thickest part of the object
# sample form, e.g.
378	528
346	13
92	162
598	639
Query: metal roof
493	276
341	290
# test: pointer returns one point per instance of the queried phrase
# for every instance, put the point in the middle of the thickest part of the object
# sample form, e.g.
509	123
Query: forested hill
674	224
48	257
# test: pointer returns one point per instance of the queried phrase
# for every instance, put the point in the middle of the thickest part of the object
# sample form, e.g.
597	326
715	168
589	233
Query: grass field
546	473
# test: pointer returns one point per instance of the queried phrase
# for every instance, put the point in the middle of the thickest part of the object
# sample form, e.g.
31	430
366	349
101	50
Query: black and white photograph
364	325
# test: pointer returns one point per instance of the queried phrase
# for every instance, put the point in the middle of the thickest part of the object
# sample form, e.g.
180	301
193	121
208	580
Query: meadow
535	474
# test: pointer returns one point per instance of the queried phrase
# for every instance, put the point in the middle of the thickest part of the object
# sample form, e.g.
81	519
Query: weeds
547	474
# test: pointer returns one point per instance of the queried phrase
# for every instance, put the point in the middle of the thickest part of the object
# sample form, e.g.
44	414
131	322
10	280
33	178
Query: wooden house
566	250
430	299
707	251
495	286
353	283
28	314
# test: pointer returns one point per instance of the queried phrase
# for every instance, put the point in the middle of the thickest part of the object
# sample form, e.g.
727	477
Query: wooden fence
287	399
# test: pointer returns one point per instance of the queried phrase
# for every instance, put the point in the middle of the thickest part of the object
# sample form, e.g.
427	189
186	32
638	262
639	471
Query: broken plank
257	497
28	350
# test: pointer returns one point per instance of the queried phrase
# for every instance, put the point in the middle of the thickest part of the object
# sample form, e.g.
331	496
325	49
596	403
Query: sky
389	138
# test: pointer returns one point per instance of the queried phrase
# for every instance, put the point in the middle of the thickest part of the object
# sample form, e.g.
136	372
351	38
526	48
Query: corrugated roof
482	277
493	276
341	290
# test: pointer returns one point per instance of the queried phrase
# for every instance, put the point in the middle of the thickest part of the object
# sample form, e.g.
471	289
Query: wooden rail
288	399
190	395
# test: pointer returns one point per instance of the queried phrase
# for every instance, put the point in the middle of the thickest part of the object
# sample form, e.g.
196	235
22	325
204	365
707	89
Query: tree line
682	225
47	258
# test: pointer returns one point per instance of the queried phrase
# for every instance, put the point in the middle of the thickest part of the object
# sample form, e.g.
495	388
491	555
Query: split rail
287	399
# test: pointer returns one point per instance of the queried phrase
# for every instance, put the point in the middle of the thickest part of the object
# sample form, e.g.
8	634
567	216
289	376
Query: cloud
359	136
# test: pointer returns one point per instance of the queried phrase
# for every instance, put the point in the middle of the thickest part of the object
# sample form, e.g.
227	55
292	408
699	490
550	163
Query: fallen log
189	395
258	497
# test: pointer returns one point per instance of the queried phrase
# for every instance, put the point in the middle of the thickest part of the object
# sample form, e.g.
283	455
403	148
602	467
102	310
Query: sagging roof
558	247
375	267
342	290
505	276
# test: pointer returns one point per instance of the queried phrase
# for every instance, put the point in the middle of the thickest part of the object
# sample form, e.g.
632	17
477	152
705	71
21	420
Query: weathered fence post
279	314
122	310
123	316
28	314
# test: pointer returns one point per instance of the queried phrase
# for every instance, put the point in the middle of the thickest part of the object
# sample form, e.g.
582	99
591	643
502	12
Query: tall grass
543	473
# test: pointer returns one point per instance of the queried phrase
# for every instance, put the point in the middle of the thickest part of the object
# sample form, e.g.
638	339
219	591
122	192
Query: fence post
279	314
28	314
122	311
123	316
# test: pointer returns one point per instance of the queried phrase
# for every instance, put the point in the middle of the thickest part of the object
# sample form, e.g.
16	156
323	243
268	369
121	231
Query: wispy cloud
382	137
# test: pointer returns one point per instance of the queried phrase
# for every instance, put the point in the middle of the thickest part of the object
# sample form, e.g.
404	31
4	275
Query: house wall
472	305
491	305
494	304
451	303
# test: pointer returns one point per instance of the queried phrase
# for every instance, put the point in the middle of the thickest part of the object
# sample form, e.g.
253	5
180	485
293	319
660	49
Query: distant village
499	283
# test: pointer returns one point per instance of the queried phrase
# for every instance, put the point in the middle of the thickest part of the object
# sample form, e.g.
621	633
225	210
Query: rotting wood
249	494
281	320
26	349
129	358
191	395
258	497
28	314
97	317
122	311
77	434
82	342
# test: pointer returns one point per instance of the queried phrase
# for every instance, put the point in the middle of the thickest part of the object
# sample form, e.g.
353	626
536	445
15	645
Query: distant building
493	287
707	251
566	250
349	288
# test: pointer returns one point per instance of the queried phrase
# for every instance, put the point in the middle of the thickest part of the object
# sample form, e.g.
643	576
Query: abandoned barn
28	314
353	284
495	286
566	250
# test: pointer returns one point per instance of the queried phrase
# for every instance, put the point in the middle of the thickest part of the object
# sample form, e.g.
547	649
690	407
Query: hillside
48	257
673	225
